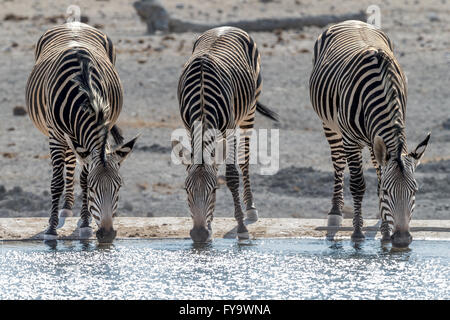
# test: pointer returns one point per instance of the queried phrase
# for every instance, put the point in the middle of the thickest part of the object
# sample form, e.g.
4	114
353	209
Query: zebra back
221	81
73	83
356	80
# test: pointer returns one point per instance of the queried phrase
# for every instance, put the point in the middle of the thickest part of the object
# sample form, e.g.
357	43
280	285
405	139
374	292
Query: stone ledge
175	227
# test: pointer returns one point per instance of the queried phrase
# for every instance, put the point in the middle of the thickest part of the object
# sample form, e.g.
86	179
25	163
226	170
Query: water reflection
51	244
224	269
200	247
86	245
334	244
105	246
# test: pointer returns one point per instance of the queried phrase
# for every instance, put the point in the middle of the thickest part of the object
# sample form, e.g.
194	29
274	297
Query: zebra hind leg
244	159
232	177
385	227
66	211
85	216
357	188
338	158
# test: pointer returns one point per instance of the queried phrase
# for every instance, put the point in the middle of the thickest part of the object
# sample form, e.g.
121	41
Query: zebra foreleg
357	188
385	227
57	154
338	158
66	211
244	159
85	216
232	177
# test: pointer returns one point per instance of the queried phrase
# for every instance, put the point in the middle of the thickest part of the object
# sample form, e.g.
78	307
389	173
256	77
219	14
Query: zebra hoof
242	232
334	220
63	214
243	236
86	232
252	214
50	234
357	235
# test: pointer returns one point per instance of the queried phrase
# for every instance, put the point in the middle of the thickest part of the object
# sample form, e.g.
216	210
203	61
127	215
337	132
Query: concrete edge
175	227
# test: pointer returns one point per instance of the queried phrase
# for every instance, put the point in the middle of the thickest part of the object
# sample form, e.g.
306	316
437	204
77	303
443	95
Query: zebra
219	89
358	90
74	96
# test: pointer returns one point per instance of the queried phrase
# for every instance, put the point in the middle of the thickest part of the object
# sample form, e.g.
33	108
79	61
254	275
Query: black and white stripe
218	90
358	90
74	96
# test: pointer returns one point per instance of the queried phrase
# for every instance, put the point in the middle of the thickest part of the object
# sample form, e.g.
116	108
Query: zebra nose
106	236
401	239
200	234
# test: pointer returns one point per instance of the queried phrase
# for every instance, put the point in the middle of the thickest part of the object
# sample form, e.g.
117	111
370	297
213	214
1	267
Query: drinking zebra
74	96
358	90
218	91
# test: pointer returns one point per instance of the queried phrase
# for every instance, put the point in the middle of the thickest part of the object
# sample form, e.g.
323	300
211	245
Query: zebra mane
96	104
393	97
399	128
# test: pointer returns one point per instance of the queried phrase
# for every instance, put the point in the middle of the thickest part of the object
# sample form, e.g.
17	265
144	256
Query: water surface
224	269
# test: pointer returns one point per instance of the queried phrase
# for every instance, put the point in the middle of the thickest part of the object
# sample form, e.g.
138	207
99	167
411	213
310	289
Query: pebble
19	111
433	17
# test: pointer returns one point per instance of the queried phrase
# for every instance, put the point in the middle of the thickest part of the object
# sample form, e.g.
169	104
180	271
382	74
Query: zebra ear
420	150
82	154
124	150
380	151
180	153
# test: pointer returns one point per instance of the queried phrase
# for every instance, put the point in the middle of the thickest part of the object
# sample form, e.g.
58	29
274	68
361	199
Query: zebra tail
265	111
85	79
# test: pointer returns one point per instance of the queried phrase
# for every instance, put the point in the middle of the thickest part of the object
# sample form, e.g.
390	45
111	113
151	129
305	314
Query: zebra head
103	182
200	185
398	187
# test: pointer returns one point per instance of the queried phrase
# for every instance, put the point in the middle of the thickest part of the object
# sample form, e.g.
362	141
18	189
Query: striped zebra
358	90
74	96
218	90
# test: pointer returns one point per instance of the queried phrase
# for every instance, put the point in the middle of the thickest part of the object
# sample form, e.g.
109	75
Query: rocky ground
149	67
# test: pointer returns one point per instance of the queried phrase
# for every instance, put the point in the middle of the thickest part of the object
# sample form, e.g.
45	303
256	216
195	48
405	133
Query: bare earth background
149	67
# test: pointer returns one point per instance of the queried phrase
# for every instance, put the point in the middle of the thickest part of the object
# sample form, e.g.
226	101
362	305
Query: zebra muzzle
401	239
200	234
106	236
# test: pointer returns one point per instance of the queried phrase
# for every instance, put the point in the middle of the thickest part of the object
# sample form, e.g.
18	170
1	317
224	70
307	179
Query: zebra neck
204	136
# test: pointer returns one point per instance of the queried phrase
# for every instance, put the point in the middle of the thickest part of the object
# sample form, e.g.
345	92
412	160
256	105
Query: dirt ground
149	67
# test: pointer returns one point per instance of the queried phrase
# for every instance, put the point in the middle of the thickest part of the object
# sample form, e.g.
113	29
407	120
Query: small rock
19	111
446	124
154	14
13	17
433	17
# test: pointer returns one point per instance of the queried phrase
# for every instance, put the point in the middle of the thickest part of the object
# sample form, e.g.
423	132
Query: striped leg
232	178
338	157
244	161
57	154
66	211
357	187
85	229
385	226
